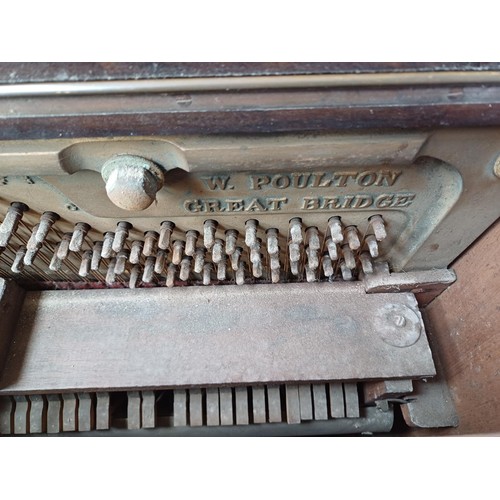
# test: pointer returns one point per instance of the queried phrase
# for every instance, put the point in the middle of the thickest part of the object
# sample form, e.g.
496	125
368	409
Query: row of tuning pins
341	246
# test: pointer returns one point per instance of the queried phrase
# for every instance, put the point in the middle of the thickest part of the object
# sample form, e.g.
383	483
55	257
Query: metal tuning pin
207	271
274	263
136	251
191	239
327	265
371	243
366	262
235	258
56	262
18	264
150	243
346	272
251	233
32	247
256	260
294	268
335	226
312	238
312	258
161	257
310	274
218	251
134	276
296	230
222	269
121	235
149	267
209	229
96	255
352	237
79	232
110	274
199	259
231	241
294	251
331	246
121	262
107	245
272	242
349	259
275	274
177	252
11	221
166	229
63	250
240	274
171	270
85	264
185	269
378	226
47	220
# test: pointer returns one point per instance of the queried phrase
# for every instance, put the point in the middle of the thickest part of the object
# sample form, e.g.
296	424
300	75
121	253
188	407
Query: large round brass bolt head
131	181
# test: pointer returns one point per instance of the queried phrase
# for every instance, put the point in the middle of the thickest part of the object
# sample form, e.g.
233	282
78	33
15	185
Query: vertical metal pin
185	268
32	243
352	237
136	251
378	225
207	270
221	269
79	232
218	251
150	242
335	226
134	276
161	257
296	230
96	255
331	246
56	262
256	259
251	232
371	243
121	261
366	262
346	272
349	259
310	274
235	258
272	241
275	275
107	245
312	238
199	259
312	258
47	220
63	250
327	266
171	270
110	275
166	228
191	239
11	221
85	264
148	272
121	235
294	268
231	241
18	264
209	229
240	273
177	251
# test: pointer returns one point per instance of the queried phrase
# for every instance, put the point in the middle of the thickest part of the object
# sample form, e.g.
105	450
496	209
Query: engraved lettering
384	201
403	200
235	205
309	203
217	182
276	203
330	203
280	181
300	181
367	178
212	206
340	178
316	179
362	201
255	206
257	181
387	177
193	206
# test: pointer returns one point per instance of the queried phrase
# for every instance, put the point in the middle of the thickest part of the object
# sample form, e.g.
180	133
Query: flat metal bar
274	403
195	408
226	406
102	411
320	402
213	417
21	415
259	404
180	408
54	414
351	400
337	405
6	415
292	404
69	413
305	399
241	395
148	410
193	336
134	410
85	419
37	410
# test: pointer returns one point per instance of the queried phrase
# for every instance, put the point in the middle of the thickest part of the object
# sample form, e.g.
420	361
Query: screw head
398	325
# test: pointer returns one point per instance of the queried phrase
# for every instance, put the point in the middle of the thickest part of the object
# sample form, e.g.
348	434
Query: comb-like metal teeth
235	258
296	230
56	262
18	264
272	241
366	262
312	238
177	252
240	273
312	258
191	239
331	246
150	243
136	251
63	250
218	251
107	245
199	260
327	266
85	264
47	220
121	262
110	274
352	237
161	257
310	274
121	235
171	270
166	229
251	232
371	243
96	255
207	271
185	269
209	229
11	222
222	269
134	276
231	241
149	267
80	230
378	226
346	271
349	259
335	226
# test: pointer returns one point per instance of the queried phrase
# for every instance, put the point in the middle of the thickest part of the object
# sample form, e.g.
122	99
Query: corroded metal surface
120	339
